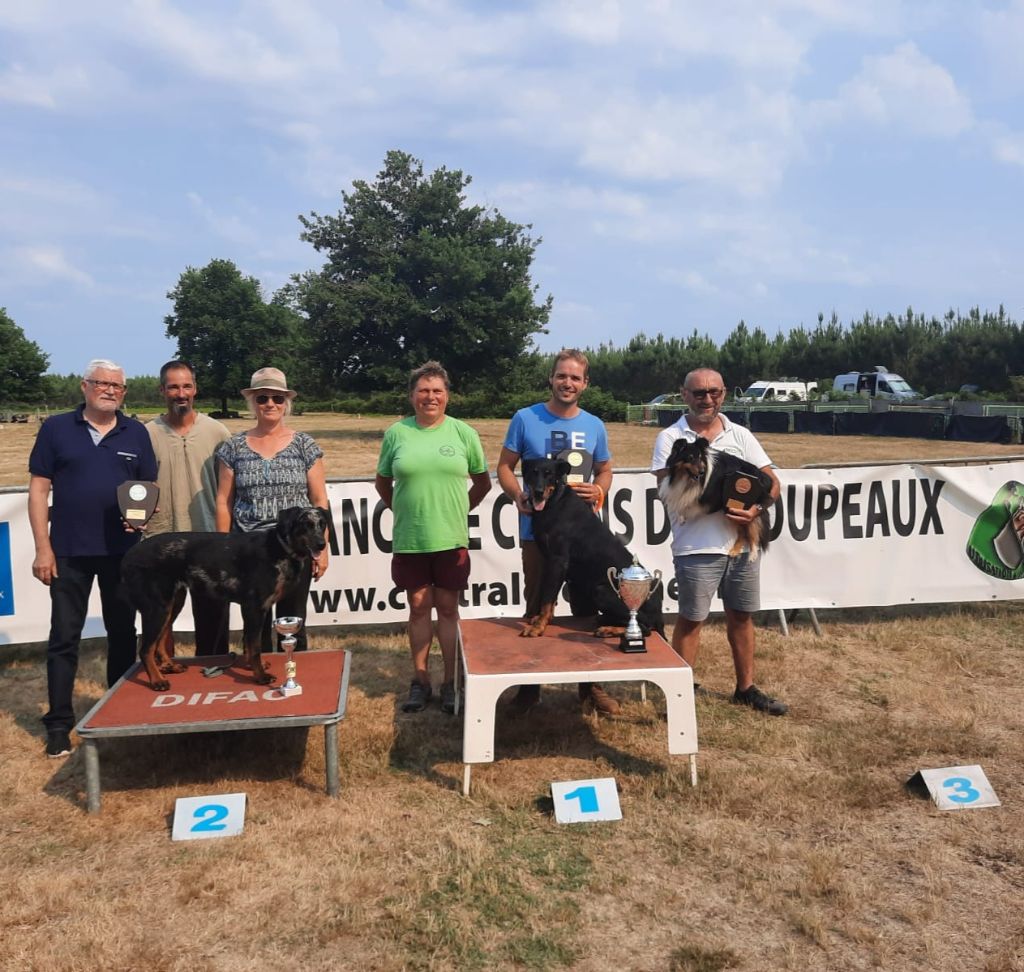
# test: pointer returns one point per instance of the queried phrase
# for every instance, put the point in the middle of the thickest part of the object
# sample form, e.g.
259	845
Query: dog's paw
265	678
532	631
160	685
171	668
608	631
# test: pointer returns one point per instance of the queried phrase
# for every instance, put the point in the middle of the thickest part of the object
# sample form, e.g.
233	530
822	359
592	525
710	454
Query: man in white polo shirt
700	545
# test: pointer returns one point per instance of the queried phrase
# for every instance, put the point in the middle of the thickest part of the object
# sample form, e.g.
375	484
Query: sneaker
756	699
448	698
526	698
602	702
419	696
58	743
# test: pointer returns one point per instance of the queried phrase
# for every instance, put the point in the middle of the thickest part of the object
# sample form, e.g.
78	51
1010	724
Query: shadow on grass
187	759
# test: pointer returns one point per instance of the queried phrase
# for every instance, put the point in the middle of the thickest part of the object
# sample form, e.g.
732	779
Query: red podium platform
494	657
228	701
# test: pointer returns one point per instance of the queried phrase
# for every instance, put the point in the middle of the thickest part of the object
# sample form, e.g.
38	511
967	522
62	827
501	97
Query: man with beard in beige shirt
184	441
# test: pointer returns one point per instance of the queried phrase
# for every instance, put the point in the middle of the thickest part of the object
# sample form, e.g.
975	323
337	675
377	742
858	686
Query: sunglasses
276	399
706	392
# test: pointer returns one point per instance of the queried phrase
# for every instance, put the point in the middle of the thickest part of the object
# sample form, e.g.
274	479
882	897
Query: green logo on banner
996	544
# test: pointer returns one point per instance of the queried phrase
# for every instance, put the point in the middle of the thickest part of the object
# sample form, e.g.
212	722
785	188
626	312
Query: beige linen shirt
187	476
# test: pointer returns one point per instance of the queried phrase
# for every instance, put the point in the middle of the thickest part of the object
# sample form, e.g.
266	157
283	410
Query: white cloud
1008	148
42	89
1002	32
43	262
903	89
743	139
228	227
689	280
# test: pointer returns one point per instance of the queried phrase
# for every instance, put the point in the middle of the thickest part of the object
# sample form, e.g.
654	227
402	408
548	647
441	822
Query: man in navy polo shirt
83	456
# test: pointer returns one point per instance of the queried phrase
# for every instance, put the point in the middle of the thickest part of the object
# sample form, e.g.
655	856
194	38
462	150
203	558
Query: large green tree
226	330
412	272
22	363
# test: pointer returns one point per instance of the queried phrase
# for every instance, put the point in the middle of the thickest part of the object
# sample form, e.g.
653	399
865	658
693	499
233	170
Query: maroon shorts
448	569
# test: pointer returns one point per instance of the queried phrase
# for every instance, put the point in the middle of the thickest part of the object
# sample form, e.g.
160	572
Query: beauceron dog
704	479
253	569
578	547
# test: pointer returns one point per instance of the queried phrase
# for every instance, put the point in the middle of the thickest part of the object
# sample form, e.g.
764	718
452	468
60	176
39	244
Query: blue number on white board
587	795
212	812
963	792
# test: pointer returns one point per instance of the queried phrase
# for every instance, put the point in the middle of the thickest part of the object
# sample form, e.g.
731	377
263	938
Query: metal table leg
92	775
331	758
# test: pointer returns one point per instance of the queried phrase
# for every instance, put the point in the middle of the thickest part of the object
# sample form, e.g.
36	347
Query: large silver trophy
633	584
288	626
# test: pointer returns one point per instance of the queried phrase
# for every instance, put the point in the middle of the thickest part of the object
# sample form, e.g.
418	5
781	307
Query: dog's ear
702	445
286	518
562	468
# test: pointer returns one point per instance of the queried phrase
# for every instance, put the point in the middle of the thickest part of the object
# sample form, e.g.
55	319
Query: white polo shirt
707	532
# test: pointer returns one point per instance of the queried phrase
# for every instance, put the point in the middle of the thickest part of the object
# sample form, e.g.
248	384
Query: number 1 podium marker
582	801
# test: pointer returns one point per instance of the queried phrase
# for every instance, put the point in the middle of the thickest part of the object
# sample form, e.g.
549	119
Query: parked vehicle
777	390
880	383
651	407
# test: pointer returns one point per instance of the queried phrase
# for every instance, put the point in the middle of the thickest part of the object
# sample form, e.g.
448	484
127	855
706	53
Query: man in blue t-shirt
542	431
82	457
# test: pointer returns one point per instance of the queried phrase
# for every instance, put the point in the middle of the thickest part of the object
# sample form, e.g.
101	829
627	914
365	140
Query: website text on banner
868	536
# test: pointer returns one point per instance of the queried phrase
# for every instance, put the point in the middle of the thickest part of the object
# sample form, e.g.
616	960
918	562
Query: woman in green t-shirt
421	476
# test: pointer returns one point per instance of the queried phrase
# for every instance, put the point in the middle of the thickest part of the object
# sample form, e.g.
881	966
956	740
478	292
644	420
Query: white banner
866	536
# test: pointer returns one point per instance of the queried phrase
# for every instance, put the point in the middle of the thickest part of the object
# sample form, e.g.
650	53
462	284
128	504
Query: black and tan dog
253	569
578	547
704	479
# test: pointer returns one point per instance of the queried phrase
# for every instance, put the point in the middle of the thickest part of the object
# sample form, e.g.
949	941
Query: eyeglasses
106	385
706	392
276	399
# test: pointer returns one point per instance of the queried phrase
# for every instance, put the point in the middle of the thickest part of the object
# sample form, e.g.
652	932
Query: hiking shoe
58	743
602	702
448	698
526	698
419	696
756	699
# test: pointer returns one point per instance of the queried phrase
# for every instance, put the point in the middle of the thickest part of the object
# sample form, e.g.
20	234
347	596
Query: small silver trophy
287	626
634	585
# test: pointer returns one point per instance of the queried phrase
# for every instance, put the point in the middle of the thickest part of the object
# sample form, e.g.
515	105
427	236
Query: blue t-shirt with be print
536	433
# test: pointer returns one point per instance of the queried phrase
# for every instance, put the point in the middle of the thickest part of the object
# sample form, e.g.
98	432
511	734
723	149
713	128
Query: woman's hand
320	564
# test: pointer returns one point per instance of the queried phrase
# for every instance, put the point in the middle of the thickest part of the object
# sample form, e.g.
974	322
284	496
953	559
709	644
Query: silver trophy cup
633	584
287	627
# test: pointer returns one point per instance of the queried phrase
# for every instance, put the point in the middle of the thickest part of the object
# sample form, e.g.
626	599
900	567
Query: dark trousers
69	603
211	617
294	603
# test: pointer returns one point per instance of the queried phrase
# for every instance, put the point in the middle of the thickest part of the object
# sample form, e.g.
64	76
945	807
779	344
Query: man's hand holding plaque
137	500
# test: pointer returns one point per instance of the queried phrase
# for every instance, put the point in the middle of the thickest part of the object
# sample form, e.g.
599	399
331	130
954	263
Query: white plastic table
493	658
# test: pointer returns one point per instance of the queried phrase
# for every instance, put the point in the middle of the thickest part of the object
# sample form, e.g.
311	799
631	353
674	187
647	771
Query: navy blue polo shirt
85	520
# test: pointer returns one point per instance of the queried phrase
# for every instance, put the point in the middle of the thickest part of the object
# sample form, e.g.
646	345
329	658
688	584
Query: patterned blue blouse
264	487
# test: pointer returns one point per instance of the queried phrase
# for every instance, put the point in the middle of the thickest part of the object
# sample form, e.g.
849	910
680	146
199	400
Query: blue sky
687	164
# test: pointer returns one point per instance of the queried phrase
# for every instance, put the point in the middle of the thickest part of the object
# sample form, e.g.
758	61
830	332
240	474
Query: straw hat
269	379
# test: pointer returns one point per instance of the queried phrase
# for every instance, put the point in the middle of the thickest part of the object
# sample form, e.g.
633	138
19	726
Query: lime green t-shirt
429	468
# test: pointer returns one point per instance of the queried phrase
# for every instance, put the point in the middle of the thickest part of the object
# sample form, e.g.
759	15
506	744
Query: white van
880	383
777	390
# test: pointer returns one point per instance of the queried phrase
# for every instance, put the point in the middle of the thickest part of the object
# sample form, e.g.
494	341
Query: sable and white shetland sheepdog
705	478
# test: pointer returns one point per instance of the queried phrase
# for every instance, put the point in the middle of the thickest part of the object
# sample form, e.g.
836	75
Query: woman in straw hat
267	469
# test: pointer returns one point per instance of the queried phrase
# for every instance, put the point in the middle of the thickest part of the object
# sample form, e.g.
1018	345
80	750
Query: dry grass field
800	848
